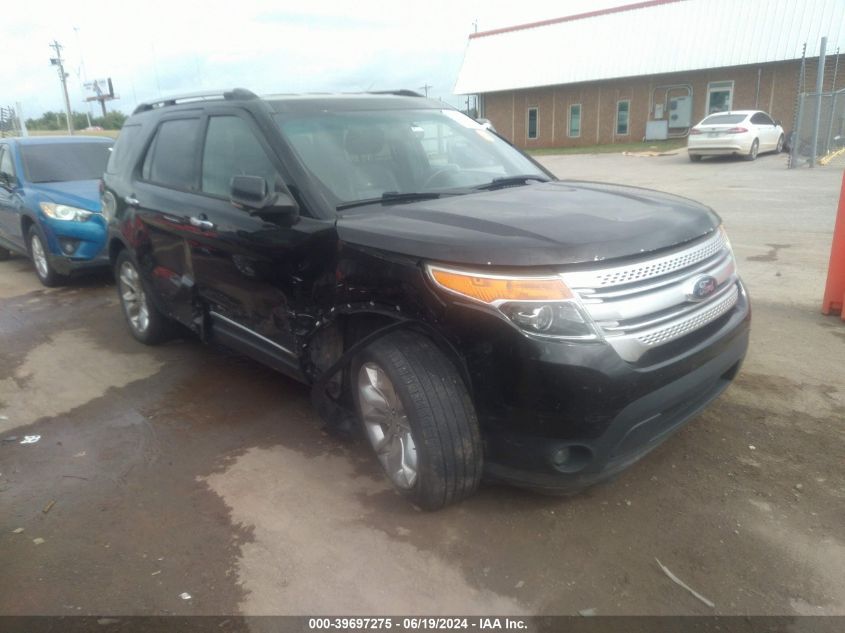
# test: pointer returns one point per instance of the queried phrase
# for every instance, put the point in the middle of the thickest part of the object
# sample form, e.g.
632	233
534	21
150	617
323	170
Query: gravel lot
189	469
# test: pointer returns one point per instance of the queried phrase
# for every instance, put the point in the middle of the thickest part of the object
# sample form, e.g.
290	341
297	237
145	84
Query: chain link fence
823	144
10	123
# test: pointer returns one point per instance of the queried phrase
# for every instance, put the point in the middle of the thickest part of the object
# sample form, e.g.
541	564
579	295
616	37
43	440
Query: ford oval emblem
702	288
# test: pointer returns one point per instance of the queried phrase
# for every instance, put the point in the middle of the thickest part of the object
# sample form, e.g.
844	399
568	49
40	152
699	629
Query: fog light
68	246
561	456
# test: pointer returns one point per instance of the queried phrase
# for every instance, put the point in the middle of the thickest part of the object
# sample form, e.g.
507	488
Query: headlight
64	212
539	306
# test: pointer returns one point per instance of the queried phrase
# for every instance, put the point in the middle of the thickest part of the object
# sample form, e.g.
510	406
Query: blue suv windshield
366	155
64	162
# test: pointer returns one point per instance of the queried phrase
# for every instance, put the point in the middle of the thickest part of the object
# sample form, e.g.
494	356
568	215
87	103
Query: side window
6	164
120	152
533	116
574	120
622	111
758	119
231	149
170	157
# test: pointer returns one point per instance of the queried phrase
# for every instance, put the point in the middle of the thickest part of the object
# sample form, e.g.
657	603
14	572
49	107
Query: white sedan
743	132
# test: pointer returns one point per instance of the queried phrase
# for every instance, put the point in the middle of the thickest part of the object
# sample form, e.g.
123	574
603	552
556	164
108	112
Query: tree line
58	121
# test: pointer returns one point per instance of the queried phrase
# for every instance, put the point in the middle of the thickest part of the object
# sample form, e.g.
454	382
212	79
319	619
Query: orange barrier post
834	292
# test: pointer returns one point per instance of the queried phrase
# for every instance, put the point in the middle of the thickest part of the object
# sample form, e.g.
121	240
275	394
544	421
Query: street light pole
59	63
84	74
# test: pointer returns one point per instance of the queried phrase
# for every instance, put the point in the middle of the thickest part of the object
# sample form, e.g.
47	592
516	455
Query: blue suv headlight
64	212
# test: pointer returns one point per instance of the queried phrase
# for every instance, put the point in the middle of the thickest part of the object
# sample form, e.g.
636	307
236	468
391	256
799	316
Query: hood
83	194
546	224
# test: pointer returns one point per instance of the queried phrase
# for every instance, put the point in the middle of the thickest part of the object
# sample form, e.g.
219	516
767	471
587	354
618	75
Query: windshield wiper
391	196
510	181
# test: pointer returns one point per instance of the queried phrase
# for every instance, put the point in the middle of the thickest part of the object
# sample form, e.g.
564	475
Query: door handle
205	225
132	202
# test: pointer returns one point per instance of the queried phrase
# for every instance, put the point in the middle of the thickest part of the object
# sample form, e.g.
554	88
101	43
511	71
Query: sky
153	48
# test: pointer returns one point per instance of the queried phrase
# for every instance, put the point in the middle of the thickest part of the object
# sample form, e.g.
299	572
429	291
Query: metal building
650	69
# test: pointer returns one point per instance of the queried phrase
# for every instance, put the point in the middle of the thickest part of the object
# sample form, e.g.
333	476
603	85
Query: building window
720	96
532	122
622	110
574	120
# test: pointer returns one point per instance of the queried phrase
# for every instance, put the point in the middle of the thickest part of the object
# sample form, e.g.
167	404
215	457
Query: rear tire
695	158
755	149
37	244
418	417
145	322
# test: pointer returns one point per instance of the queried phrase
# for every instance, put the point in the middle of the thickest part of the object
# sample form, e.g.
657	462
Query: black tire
780	145
695	158
439	412
5	254
37	247
755	149
153	329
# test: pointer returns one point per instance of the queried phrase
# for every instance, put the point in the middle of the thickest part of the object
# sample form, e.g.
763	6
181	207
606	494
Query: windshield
63	162
723	119
360	156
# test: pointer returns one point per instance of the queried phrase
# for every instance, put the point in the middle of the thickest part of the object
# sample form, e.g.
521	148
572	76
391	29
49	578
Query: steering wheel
431	179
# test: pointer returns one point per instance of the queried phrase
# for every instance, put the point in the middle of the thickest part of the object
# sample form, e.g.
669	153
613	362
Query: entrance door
719	96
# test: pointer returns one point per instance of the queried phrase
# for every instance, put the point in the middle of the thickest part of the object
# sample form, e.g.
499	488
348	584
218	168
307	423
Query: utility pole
818	113
59	63
426	88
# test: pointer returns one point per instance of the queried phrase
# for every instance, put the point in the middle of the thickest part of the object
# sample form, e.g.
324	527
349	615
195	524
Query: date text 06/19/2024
417	623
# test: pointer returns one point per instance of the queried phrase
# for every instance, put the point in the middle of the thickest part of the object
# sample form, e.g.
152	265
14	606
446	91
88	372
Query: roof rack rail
399	93
208	95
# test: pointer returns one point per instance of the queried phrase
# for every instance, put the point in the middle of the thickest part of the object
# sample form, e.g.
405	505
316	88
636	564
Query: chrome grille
692	322
601	278
640	306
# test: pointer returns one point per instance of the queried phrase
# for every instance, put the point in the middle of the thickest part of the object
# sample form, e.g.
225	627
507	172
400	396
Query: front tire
755	149
419	419
145	322
5	254
695	158
779	147
47	275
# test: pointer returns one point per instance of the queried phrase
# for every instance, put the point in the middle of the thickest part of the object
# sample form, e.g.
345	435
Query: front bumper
561	417
75	246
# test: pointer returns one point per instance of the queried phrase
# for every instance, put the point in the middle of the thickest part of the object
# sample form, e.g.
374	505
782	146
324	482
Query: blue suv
50	203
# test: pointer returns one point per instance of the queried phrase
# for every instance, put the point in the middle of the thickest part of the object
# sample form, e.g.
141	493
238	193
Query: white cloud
160	47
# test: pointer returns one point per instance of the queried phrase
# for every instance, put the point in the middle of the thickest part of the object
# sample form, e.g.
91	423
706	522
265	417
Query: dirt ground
186	468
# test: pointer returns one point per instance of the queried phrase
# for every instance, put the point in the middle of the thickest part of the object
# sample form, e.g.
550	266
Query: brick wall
777	91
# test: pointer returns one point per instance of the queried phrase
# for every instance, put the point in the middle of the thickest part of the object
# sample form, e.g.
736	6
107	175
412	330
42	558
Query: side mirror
778	123
6	180
250	193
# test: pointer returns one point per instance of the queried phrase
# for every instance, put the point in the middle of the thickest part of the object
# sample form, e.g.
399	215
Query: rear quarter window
122	149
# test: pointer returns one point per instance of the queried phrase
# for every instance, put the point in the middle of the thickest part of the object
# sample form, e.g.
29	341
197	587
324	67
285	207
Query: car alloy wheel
779	147
39	256
134	298
386	425
755	148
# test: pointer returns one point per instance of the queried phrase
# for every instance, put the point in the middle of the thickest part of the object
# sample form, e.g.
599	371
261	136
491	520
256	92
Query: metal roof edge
571	18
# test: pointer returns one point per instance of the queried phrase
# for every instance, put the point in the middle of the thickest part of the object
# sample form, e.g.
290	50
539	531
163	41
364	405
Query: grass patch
616	148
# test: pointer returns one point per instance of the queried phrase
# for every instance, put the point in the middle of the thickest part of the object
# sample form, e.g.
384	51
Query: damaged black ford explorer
474	315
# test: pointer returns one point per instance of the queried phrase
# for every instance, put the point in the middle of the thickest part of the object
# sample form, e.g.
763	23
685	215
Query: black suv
476	315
